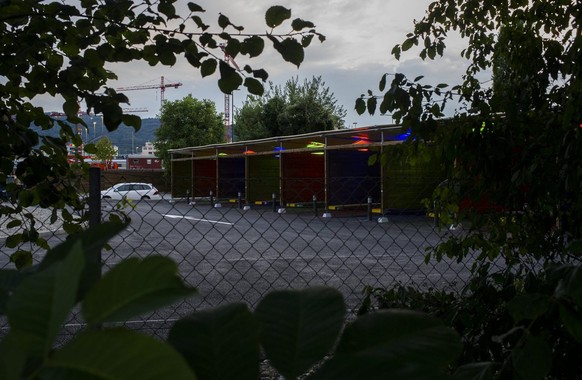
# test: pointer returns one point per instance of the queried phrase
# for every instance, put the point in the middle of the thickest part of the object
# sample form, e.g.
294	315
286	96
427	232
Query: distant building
145	160
148	149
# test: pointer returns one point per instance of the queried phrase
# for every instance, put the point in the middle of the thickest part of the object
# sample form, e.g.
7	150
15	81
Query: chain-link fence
234	250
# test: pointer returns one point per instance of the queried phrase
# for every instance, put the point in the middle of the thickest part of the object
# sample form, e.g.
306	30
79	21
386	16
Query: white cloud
360	36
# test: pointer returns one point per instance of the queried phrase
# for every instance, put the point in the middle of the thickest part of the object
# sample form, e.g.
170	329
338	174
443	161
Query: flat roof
348	138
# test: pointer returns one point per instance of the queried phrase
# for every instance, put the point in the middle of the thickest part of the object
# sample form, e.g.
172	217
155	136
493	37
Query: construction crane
227	99
162	86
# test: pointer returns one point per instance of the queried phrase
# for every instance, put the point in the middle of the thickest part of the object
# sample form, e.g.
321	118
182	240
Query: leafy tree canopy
512	151
514	145
292	109
64	50
104	150
187	122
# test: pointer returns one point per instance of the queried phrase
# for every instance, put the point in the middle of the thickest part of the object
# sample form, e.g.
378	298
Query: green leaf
200	23
193	7
117	354
575	247
382	84
222	343
408	43
70	108
253	46
254	86
223	21
396	50
299	24
13	354
290	50
528	307
12	241
89	148
21	259
133	287
572	321
371	105
431	52
233	48
360	106
132	121
230	79
208	67
393	344
275	15
476	371
298	327
570	286
261	74
93	240
14	223
42	302
372	159
167	9
533	359
166	56
206	39
9	280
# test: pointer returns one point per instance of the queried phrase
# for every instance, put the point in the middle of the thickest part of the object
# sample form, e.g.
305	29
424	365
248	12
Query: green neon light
315	145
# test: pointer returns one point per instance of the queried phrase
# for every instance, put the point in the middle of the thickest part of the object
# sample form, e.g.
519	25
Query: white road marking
196	219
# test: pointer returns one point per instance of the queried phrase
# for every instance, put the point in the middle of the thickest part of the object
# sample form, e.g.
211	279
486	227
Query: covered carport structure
332	168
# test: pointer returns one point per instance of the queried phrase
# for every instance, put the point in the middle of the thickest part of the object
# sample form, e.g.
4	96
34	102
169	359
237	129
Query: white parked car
136	191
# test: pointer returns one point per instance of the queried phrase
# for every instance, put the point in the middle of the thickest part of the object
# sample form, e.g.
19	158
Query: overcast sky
360	36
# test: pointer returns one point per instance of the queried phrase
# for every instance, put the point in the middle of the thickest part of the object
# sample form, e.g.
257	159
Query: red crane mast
227	99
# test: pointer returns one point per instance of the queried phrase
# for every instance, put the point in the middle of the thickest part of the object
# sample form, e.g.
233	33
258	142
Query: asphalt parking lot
234	255
230	254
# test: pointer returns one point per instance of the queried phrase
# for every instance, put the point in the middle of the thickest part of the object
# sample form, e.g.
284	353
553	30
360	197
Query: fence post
369	209
188	197
211	199
95	217
94	196
314	204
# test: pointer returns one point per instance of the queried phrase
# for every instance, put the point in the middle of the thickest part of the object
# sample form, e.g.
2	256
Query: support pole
94	261
94	196
274	203
315	205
